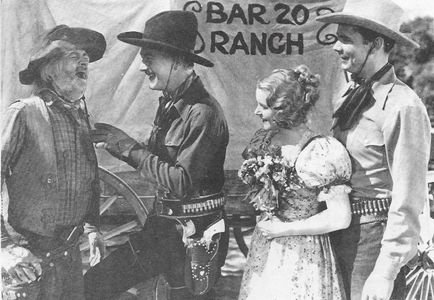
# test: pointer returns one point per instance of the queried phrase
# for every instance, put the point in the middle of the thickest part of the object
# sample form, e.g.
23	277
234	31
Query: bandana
359	98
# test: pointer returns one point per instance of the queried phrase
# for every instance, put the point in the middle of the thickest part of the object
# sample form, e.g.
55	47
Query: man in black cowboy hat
50	170
386	130
186	238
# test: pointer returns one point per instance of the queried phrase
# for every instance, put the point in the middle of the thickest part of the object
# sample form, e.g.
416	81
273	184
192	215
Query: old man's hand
113	139
20	264
96	248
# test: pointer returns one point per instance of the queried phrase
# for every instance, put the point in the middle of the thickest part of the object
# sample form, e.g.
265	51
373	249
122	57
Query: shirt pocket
174	139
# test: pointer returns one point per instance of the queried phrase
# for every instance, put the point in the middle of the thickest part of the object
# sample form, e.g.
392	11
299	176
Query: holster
202	266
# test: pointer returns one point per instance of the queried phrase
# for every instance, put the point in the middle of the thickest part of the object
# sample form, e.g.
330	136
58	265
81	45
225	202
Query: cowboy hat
384	17
65	37
172	31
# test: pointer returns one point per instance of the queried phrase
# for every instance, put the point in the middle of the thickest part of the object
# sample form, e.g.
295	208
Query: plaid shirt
76	159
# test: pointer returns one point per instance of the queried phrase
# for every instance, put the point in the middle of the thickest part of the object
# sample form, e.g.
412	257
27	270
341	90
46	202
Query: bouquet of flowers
270	173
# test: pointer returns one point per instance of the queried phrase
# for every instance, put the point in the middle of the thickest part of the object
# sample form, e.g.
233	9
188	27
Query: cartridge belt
193	207
367	209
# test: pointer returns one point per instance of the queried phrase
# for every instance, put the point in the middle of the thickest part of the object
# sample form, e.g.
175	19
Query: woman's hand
272	227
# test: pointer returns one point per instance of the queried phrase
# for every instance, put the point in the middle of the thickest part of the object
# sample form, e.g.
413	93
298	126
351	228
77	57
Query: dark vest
33	183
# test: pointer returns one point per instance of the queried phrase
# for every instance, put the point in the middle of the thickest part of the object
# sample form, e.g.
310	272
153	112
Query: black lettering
219	44
299	43
239	43
217	9
237	12
256	15
281	17
295	14
261	45
273	49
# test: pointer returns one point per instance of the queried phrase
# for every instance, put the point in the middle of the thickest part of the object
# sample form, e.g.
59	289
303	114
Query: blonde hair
292	93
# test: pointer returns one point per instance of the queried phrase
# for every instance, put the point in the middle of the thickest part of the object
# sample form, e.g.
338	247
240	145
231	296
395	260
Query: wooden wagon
127	199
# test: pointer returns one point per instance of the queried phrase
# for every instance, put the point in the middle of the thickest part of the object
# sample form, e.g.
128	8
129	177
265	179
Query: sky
416	8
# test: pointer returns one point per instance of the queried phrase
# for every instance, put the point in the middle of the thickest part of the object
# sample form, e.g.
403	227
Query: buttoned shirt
186	153
389	147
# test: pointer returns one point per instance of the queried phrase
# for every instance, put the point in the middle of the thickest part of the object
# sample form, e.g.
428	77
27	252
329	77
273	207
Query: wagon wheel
114	189
420	279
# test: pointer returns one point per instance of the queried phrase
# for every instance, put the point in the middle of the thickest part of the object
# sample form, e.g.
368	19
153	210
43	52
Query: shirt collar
384	86
195	91
51	97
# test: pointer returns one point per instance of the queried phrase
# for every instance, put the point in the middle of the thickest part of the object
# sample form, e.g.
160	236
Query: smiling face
263	111
351	48
158	67
68	74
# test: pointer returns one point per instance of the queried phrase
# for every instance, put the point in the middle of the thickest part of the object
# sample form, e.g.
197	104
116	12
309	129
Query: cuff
387	267
88	228
137	154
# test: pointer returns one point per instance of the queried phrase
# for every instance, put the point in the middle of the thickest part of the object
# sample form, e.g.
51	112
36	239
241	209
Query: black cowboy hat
85	39
173	31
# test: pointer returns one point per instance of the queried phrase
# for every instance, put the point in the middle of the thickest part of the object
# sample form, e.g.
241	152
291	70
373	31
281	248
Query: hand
114	140
377	288
20	264
96	248
272	228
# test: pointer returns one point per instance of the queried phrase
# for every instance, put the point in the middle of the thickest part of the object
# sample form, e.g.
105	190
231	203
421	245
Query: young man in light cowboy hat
186	238
49	166
386	130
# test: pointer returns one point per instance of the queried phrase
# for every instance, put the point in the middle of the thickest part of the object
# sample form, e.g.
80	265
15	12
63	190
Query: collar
382	88
51	97
194	92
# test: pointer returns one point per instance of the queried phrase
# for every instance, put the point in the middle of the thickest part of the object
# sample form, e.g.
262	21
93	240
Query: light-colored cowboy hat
64	36
171	31
381	16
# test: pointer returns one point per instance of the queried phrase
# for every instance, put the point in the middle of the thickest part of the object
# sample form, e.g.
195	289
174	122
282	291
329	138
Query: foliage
416	67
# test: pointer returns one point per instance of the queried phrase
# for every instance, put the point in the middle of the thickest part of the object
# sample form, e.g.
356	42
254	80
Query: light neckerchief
359	98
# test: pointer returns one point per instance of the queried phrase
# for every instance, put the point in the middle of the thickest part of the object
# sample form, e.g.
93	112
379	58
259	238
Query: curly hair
292	93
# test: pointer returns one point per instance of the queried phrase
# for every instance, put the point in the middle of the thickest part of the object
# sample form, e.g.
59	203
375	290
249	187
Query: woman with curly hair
290	255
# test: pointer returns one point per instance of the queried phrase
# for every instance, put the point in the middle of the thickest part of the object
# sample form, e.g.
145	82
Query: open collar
194	92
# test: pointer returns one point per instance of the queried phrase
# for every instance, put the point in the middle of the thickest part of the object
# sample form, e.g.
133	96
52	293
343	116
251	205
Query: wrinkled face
157	66
351	48
69	74
263	111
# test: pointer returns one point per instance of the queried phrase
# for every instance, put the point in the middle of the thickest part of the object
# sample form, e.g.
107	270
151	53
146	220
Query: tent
245	41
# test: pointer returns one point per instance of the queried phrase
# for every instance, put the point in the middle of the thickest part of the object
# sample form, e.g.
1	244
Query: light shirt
390	147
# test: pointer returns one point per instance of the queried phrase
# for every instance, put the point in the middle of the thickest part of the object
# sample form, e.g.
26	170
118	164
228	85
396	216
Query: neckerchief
358	99
165	114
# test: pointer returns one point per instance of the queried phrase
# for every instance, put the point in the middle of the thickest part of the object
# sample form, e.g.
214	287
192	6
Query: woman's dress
303	266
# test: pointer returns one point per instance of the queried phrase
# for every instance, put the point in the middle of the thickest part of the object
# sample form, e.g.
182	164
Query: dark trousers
357	249
157	249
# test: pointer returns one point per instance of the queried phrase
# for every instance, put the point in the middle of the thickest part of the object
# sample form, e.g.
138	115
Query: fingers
37	267
21	274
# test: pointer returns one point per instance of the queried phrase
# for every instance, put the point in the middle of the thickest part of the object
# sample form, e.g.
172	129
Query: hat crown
176	28
383	12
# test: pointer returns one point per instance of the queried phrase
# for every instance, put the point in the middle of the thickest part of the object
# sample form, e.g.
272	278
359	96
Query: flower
269	174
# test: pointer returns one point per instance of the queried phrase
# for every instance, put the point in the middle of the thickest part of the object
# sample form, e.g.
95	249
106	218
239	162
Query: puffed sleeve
324	162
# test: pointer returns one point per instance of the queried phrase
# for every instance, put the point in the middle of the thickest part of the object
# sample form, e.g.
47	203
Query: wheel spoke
107	204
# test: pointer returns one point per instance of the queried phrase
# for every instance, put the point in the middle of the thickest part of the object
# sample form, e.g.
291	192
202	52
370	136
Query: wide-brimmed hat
63	36
381	16
172	31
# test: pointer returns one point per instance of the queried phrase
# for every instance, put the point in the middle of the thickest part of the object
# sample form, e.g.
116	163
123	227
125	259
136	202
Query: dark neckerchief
358	99
165	114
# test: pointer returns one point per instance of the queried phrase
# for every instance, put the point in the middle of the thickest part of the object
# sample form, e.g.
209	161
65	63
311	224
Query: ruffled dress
303	266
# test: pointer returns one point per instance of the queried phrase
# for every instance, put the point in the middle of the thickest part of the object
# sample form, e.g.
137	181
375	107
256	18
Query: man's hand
96	248
114	140
377	288
20	264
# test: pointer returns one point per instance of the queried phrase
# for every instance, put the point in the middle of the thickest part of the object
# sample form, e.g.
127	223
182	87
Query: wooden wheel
113	189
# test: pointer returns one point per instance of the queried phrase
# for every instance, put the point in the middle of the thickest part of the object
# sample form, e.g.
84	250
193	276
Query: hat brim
343	18
137	39
85	39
